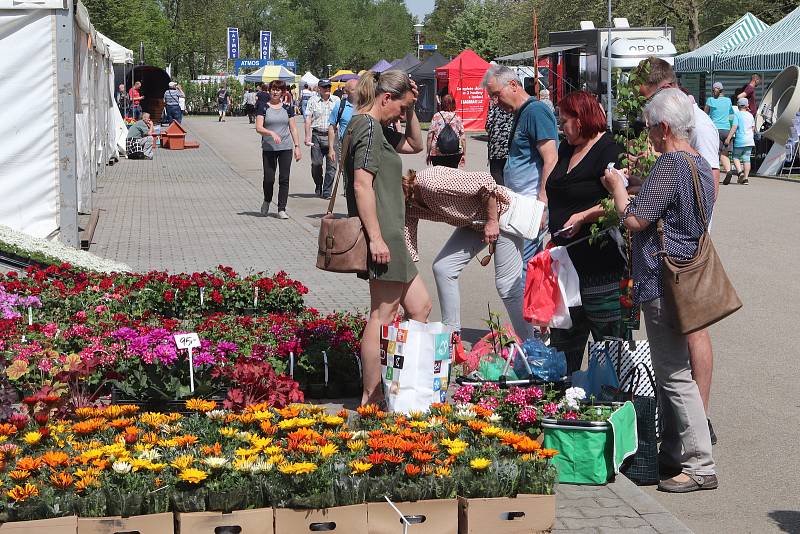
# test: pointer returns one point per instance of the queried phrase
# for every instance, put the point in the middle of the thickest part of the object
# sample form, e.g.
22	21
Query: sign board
233	43
187	341
428	47
290	64
266	41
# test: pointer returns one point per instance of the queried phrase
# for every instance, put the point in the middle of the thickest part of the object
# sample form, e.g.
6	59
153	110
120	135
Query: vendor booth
380	66
57	73
309	79
406	63
117	131
269	73
424	75
462	78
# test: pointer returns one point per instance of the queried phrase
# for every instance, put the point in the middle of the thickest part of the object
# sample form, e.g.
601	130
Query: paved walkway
191	210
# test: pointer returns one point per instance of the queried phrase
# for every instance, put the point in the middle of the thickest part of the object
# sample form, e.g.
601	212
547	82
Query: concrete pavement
194	209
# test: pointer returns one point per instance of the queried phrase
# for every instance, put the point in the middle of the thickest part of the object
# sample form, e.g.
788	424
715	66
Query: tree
475	28
438	21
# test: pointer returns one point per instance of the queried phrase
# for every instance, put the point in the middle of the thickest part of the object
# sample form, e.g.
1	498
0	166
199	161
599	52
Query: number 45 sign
188	342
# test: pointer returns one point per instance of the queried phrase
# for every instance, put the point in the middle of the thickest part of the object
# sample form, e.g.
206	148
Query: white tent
119	54
58	84
117	130
310	79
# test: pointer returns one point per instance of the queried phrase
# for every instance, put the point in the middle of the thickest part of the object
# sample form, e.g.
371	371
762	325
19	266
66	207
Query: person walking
705	139
498	128
720	109
668	196
447	143
250	98
223	101
135	100
305	95
743	133
749	92
172	103
279	141
375	194
340	119
317	120
574	192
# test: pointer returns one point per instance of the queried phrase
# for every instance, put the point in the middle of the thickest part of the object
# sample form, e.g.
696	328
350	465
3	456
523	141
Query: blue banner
233	43
266	41
290	64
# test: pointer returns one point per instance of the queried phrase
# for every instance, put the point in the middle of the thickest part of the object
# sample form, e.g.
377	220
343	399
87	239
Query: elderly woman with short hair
668	195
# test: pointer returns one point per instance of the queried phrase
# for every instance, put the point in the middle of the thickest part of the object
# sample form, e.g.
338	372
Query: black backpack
448	142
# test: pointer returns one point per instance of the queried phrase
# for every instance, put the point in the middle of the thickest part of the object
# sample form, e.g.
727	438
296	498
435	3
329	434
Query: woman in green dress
374	191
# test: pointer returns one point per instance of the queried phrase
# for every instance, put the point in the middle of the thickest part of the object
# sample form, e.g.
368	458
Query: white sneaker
282	215
265	209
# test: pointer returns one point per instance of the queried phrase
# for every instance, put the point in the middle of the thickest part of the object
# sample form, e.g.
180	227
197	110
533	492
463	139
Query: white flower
361	434
150	454
215	462
495	418
464	412
437	421
121	468
243	436
573	396
216	415
260	466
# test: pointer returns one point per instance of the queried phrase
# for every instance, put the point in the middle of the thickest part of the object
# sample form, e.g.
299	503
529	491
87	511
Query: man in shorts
223	102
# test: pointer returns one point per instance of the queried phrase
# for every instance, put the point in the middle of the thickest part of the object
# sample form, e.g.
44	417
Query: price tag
187	341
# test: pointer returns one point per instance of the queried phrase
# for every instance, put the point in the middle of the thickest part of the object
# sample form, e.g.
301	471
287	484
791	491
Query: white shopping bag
568	284
415	364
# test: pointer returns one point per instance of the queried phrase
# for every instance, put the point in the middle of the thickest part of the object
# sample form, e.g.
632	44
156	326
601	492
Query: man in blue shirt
533	145
340	118
720	109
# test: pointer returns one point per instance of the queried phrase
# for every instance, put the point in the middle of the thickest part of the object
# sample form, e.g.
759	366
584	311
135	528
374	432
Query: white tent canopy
119	54
56	64
310	79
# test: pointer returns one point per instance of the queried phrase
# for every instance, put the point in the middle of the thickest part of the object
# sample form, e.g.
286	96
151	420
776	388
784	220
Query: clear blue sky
420	8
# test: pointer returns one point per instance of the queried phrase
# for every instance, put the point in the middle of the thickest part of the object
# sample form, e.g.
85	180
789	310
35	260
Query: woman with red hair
574	191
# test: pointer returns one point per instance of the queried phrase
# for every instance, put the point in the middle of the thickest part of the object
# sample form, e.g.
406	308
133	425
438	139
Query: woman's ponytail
371	84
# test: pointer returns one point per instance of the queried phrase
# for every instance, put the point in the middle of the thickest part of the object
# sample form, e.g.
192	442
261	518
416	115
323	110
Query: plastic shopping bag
569	287
545	363
542	294
600	373
415	364
485	349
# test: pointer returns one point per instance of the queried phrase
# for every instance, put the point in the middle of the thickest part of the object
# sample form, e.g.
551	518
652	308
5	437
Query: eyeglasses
486	259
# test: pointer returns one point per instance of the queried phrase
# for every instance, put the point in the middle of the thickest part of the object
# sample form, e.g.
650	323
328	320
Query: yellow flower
442	472
331	420
263	415
192	476
359	467
260	443
416	414
227	431
453	428
276	459
244	453
491	431
86	482
32	438
480	464
297	468
183	462
328	450
200	405
356	445
22	493
273	450
422	425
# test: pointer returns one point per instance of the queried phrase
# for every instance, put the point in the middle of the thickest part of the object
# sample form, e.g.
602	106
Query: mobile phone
563	230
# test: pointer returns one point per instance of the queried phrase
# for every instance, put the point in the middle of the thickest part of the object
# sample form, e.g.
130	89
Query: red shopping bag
485	347
542	294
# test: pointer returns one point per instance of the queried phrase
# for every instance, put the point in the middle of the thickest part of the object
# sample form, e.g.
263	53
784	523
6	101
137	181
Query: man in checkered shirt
317	119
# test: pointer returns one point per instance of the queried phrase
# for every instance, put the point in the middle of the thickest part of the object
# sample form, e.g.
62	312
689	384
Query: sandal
694	483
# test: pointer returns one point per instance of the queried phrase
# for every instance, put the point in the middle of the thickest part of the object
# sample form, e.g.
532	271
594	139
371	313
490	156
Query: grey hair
672	107
501	73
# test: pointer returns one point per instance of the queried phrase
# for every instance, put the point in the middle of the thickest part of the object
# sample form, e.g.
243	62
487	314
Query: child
743	128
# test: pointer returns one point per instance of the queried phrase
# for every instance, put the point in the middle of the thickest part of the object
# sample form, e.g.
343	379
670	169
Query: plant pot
189	501
92	505
226	501
157	502
123	504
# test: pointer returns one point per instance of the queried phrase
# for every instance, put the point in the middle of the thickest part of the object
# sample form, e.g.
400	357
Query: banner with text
233	43
266	41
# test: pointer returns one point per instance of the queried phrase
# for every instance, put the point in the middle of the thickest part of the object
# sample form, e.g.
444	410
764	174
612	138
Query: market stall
380	66
424	75
117	131
406	63
462	78
269	73
55	135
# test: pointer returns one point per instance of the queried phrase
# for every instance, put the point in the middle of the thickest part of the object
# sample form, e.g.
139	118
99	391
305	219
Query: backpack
448	142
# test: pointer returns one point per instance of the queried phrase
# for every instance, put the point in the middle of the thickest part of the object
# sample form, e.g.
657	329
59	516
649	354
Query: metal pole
67	157
609	110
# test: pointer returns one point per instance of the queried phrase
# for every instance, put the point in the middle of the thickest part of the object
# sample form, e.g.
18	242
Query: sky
420	8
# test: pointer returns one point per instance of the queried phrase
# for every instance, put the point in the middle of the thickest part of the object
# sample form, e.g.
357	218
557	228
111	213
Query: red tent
463	77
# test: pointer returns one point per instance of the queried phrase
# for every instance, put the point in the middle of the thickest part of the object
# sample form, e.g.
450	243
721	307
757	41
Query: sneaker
264	209
282	215
742	180
728	177
711	431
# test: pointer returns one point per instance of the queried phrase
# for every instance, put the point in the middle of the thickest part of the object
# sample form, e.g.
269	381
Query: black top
578	190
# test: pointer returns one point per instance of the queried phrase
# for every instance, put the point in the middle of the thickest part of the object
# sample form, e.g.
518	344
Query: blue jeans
136	111
174	113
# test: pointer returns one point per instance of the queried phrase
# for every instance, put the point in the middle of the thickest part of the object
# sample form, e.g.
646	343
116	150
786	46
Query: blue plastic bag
600	373
545	363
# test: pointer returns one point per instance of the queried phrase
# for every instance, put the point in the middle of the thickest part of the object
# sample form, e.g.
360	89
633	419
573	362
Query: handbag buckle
329	242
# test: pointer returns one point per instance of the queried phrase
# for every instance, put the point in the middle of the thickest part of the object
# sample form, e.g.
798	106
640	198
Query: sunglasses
486	259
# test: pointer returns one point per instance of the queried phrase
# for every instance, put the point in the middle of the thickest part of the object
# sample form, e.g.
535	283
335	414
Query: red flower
216	296
168	296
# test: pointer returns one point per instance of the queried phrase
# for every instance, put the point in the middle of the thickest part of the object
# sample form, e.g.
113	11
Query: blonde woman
374	193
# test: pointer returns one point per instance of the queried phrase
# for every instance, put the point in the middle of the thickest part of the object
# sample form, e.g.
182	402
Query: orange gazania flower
453	428
21	493
89	426
19	475
85	412
477	426
6	429
547	453
85	483
394	459
186	441
29	464
101	463
344	435
343	413
61	480
200	405
428	469
422	457
289	412
480	411
149	438
55	458
268	428
120	423
510	438
211	450
376	458
527	445
413	470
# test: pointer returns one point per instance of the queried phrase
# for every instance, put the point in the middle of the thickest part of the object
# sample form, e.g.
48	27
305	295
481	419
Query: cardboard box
141	524
523	514
341	520
426	517
258	521
58	525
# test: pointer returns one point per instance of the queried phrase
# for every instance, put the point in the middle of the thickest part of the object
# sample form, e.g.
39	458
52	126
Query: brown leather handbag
697	290
342	244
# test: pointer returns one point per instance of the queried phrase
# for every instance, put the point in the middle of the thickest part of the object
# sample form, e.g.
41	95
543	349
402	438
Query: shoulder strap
517	115
697	192
343	155
342	104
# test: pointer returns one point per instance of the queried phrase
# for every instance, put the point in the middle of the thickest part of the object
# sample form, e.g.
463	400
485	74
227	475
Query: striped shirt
172	97
319	112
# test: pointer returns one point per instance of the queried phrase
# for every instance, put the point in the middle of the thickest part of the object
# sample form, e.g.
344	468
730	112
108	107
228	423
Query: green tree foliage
445	12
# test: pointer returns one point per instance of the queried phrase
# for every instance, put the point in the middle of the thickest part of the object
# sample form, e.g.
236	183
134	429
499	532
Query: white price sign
187	341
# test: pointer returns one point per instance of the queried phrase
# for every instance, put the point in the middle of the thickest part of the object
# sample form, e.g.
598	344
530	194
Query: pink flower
527	416
550	408
464	394
570	415
490	403
100	309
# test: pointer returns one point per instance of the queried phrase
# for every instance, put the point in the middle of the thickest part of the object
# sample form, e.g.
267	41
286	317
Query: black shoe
728	177
318	192
711	431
